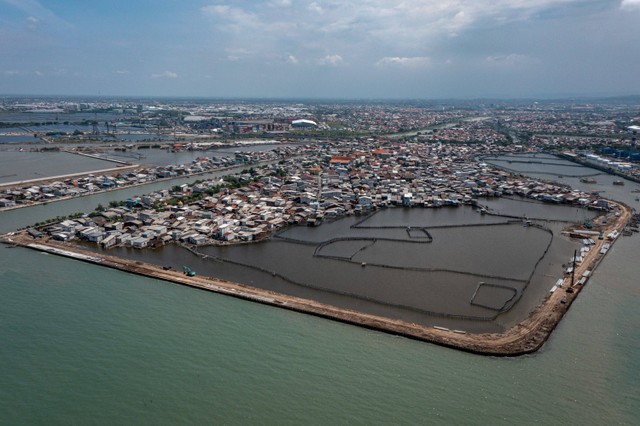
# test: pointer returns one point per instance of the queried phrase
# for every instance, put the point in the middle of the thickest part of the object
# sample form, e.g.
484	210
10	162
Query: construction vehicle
188	272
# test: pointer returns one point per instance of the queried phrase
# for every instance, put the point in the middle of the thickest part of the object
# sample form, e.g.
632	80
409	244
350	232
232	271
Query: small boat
618	182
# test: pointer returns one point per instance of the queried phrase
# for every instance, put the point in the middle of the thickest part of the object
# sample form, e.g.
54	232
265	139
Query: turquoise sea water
86	345
81	344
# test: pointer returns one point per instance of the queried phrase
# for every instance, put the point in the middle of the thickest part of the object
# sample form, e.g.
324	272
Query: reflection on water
18	166
163	157
545	165
24	165
570	174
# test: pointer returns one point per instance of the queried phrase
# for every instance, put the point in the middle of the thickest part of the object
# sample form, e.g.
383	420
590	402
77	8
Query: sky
365	49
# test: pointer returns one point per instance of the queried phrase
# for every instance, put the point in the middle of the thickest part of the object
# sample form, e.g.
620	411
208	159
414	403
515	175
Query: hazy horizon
548	99
322	49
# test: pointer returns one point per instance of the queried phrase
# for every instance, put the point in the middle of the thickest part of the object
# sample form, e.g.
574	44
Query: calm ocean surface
81	344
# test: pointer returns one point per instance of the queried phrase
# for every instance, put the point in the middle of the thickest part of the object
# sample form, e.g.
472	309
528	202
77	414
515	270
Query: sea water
82	344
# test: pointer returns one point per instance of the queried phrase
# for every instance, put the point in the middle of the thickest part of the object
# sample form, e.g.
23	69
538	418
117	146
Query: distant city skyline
419	49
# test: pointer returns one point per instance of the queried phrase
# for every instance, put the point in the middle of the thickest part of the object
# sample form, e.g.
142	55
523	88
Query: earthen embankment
526	337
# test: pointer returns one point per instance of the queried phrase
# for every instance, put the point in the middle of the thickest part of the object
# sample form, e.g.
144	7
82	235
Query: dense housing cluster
324	181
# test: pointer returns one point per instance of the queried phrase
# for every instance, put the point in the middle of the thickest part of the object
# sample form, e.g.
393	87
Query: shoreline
133	185
21	183
609	170
523	338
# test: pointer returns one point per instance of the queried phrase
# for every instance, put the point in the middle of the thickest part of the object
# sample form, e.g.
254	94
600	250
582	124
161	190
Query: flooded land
451	267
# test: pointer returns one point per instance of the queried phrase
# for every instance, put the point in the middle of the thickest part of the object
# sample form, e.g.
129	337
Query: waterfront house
140	242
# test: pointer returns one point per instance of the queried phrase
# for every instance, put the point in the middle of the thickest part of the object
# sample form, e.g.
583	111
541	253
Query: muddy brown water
386	271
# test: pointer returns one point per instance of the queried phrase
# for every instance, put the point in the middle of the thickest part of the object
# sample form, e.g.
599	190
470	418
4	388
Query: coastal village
322	164
12	196
254	212
322	182
596	135
331	161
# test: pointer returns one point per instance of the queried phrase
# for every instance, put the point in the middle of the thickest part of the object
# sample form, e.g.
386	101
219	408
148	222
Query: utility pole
573	270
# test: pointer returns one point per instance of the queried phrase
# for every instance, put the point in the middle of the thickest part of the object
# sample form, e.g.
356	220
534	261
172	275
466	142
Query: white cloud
237	54
232	18
216	9
404	62
34	9
57	72
630	4
462	44
331	60
315	8
412	23
165	74
32	22
366	27
512	59
280	3
459	21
